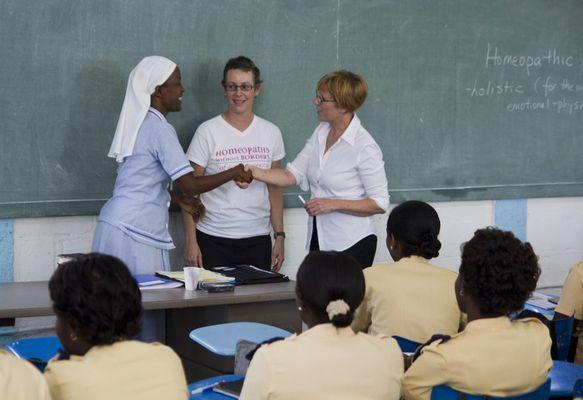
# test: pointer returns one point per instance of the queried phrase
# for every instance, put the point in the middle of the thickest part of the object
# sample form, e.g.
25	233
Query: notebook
249	274
153	282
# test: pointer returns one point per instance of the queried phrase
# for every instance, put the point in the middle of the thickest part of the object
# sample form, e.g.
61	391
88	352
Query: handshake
244	175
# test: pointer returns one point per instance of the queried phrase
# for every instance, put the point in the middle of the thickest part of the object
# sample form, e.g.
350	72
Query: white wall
554	227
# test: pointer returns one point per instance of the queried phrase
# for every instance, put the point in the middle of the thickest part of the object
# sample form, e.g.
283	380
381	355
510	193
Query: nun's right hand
241	175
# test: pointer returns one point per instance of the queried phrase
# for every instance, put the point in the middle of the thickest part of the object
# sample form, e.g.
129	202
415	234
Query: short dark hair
498	271
244	64
96	294
325	276
415	224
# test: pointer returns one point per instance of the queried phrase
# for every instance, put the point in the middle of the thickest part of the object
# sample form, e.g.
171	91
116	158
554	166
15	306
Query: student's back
493	356
513	354
326	362
329	360
20	380
410	298
128	370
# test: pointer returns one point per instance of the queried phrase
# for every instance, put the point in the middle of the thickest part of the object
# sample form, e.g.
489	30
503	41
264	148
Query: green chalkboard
469	99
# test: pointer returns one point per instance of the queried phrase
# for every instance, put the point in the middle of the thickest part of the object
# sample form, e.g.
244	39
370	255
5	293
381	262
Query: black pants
217	251
363	251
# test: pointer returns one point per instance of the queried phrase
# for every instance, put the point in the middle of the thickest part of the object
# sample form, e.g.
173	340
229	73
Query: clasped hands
191	205
243	176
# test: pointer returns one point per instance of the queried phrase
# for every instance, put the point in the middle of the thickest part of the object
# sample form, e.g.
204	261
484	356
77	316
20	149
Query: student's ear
391	241
258	89
157	91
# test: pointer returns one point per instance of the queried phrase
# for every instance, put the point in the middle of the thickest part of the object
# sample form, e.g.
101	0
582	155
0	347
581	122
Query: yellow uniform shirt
492	356
128	370
410	298
20	380
572	302
326	362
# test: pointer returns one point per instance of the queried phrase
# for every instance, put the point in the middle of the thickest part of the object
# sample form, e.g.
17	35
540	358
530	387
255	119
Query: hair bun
337	307
430	248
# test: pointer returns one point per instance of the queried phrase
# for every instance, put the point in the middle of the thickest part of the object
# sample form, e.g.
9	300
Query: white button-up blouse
352	169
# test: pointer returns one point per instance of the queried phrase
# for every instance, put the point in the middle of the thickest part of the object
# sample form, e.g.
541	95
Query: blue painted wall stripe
6	250
510	215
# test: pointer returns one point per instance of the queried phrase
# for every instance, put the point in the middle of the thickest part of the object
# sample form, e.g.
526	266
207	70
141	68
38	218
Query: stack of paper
203	276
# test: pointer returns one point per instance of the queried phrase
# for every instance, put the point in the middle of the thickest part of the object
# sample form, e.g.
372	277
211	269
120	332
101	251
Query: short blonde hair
348	89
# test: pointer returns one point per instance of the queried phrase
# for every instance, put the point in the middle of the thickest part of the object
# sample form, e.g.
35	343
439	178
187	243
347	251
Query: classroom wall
554	226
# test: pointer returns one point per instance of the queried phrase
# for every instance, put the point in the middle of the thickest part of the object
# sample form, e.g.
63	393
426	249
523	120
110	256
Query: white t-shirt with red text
232	212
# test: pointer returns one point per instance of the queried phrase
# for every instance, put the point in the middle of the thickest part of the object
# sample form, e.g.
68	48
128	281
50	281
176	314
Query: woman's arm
192	253
192	185
364	207
276	177
276	218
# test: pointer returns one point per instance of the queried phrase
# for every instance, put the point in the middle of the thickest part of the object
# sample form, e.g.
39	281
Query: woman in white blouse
343	167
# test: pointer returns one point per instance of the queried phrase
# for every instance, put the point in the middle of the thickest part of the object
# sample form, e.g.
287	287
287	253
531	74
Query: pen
301	199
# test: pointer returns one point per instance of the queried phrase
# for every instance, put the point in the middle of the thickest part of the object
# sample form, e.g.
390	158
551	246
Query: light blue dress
133	224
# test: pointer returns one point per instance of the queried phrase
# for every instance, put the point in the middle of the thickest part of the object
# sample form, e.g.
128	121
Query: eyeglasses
231	87
320	99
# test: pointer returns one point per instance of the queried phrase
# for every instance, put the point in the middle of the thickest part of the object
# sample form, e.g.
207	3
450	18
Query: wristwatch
276	234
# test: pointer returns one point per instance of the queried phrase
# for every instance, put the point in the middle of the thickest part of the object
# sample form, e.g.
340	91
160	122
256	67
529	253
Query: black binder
249	275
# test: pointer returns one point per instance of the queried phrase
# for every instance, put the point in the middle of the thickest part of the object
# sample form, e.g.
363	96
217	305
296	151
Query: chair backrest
563	330
444	392
406	345
222	339
578	389
36	350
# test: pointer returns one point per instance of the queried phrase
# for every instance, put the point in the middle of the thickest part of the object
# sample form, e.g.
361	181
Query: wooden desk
185	310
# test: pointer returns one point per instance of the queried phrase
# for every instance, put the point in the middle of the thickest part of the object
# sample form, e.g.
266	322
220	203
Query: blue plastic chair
36	350
443	392
563	332
222	339
563	376
578	389
406	345
203	389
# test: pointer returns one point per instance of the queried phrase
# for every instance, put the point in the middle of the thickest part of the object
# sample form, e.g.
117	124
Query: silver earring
299	308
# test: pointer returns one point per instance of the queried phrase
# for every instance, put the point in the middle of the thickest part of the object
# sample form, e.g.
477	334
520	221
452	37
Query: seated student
410	298
328	361
98	308
493	356
572	302
20	380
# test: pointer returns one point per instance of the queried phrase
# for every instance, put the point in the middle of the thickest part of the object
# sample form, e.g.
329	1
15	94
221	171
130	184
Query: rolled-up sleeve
371	169
299	166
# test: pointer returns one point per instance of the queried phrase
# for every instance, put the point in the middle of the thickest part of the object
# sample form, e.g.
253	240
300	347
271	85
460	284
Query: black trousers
217	251
363	251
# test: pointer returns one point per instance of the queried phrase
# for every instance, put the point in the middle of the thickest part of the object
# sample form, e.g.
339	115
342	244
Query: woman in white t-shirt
343	167
237	225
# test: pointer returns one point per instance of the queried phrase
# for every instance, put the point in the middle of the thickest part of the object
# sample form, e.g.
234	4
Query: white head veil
150	72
